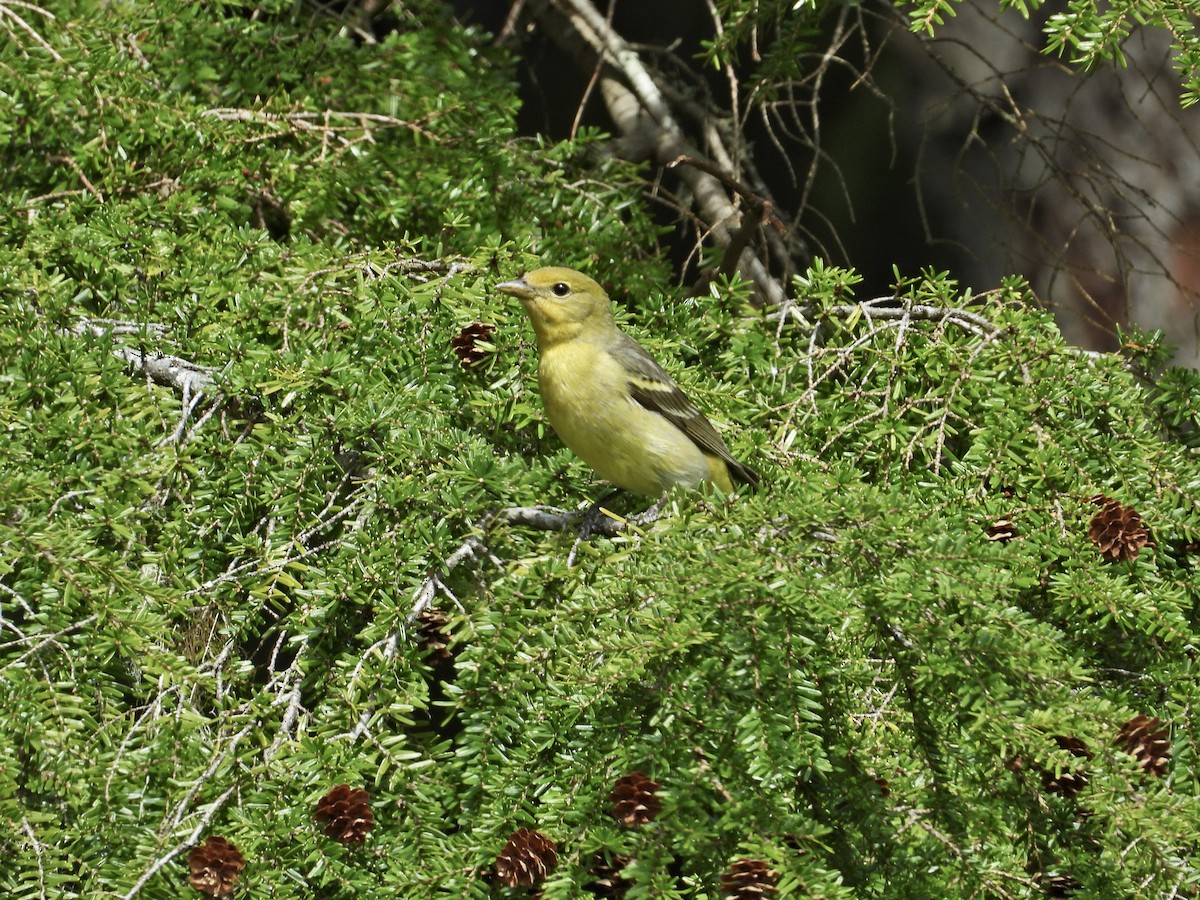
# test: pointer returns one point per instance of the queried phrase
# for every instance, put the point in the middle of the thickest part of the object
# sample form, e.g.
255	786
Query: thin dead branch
329	123
10	18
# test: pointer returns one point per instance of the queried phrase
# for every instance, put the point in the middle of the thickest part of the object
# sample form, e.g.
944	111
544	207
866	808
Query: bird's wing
653	388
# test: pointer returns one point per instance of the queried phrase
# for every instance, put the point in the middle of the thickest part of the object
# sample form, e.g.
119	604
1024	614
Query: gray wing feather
672	403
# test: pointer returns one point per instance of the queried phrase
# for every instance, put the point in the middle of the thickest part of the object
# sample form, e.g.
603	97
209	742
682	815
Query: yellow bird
609	401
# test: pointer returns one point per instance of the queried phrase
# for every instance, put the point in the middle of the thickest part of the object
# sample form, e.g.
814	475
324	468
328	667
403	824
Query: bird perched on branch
609	401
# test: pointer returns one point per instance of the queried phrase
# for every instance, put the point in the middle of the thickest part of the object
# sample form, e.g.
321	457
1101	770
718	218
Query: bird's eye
561	289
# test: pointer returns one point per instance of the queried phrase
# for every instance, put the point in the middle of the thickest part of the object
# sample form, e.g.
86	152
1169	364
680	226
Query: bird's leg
595	521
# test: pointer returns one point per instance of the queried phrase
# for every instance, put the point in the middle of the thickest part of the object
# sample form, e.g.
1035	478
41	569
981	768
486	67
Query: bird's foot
598	520
646	516
595	520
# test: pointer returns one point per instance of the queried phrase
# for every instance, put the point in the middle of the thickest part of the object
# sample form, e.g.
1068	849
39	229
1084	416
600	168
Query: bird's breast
585	391
579	386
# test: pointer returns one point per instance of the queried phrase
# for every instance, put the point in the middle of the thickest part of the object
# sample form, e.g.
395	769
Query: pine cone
432	637
1002	531
466	344
214	866
1117	529
526	860
1068	783
633	800
607	880
346	814
748	879
1145	739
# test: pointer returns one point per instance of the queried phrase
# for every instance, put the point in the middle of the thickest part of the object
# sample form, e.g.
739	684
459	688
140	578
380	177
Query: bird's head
560	302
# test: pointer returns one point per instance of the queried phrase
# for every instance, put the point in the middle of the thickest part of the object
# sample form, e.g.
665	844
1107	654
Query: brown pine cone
346	813
748	879
633	800
1117	530
1145	739
606	879
432	636
526	860
1068	783
214	867
466	344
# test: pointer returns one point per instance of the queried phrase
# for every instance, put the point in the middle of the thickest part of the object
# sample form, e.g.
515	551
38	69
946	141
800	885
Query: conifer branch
894	312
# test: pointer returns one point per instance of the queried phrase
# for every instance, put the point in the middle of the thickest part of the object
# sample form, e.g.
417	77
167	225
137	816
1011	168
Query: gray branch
187	378
183	376
895	310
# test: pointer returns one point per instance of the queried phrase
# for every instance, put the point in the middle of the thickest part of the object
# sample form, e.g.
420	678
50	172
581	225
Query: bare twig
319	121
27	830
893	310
74	167
117	327
759	210
187	378
37	643
289	682
7	14
505	36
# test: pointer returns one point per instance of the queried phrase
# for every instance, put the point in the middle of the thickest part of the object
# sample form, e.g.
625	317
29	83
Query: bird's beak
518	288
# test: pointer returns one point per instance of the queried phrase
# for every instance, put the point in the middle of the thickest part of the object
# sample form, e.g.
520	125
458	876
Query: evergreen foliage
1088	33
1085	32
207	602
